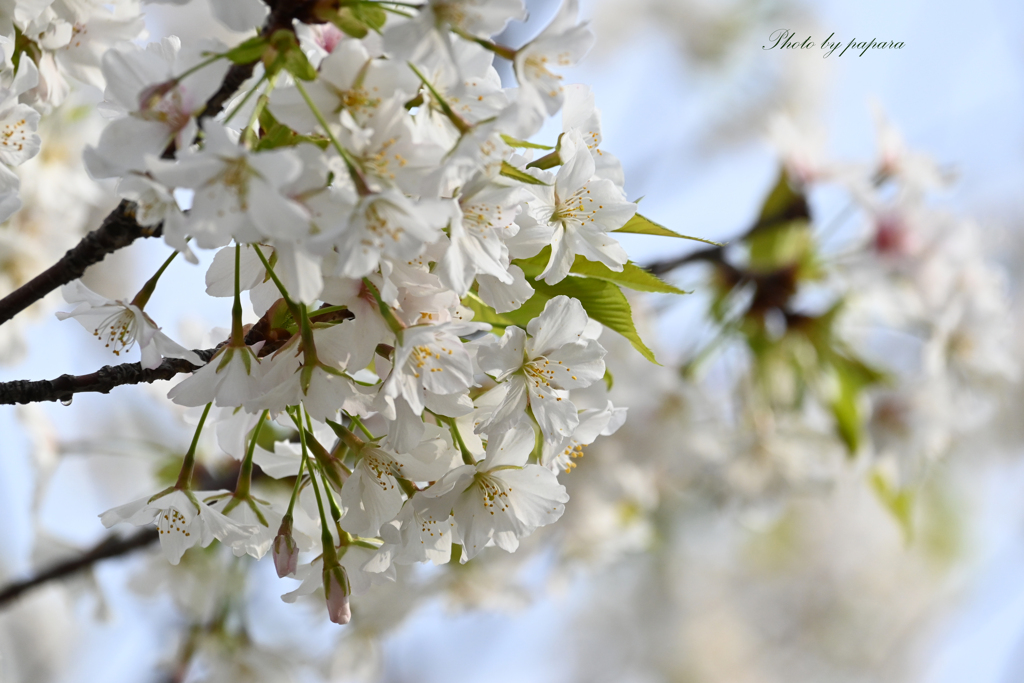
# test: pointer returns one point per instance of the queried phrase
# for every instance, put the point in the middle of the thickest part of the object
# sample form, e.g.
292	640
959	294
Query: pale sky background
957	92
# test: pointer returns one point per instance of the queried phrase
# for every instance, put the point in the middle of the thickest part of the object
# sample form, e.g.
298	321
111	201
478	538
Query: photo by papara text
784	39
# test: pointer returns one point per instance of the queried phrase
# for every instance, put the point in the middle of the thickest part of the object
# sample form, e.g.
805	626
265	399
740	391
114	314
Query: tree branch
119	229
101	381
114	545
111	546
110	376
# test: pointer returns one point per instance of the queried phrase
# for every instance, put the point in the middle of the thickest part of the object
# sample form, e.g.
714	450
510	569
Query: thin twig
109	376
119	229
102	381
112	546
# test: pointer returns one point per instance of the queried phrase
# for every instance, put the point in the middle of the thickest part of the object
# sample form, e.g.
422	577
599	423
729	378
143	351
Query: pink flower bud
286	552
337	589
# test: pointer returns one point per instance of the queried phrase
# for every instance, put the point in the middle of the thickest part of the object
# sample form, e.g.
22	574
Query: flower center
574	209
118	330
379	225
381	468
172	522
573	450
493	491
235	177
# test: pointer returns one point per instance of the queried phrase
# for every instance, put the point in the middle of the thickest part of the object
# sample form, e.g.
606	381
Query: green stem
359	423
237	336
389	316
456	120
500	50
249	134
353	170
298	486
245	473
280	287
142	298
327	540
335	510
245	99
467	456
189	464
302	318
203	64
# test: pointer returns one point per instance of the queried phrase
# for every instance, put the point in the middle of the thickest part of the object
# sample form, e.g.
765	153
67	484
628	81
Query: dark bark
102	381
114	545
119	229
111	546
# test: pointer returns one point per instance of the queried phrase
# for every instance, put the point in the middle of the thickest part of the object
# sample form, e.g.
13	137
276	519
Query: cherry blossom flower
371	495
501	498
540	369
120	325
158	109
562	44
237	192
582	210
594	422
182	519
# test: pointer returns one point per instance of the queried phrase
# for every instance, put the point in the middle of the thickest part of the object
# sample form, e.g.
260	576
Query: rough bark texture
102	381
119	229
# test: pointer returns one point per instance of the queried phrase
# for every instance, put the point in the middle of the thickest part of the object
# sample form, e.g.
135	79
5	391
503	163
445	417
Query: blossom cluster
429	293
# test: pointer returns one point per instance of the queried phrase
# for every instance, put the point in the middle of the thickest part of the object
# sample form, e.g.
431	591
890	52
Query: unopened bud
286	551
337	590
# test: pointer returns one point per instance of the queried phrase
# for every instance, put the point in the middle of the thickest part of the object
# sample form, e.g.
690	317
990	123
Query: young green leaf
783	204
510	171
603	301
632	276
370	14
482	313
249	51
514	142
642	225
900	502
288	55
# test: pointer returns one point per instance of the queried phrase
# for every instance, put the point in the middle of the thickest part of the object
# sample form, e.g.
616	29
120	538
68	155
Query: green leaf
854	377
781	245
603	301
601	298
632	276
514	142
482	313
350	24
288	55
370	14
783	203
641	225
609	381
900	502
274	134
510	171
248	51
